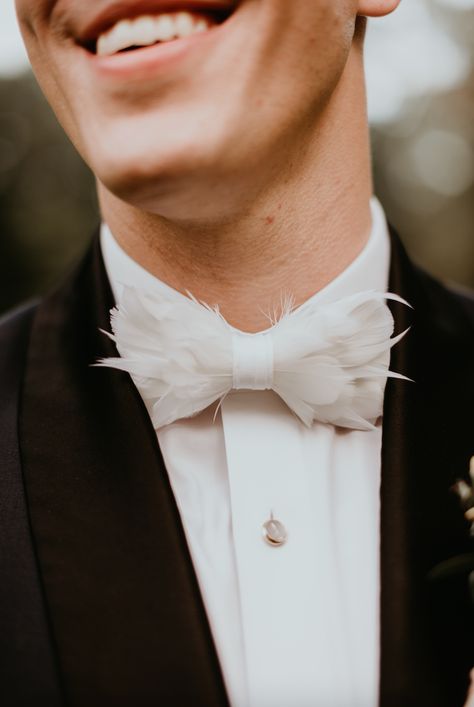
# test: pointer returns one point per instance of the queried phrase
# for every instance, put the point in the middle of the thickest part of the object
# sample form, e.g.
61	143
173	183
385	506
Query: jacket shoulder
15	328
466	300
450	306
16	322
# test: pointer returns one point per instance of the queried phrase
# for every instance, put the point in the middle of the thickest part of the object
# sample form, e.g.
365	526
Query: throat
249	271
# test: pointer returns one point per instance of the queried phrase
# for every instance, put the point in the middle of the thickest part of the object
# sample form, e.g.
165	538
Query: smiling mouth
146	30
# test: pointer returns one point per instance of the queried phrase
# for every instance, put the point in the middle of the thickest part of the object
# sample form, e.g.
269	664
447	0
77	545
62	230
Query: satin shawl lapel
427	629
125	606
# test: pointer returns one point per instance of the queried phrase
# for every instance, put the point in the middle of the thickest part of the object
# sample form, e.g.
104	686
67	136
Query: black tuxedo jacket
99	602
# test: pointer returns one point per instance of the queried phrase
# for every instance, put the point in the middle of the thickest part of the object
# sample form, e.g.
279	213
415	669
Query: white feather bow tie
327	362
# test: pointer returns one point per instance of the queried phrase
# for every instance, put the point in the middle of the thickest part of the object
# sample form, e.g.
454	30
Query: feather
328	362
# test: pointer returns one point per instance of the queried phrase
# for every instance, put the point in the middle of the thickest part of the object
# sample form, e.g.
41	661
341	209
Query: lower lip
142	63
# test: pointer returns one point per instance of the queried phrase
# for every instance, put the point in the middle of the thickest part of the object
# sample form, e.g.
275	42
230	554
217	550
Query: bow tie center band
253	361
328	362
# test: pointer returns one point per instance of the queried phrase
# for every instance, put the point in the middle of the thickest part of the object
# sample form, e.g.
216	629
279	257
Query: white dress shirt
294	625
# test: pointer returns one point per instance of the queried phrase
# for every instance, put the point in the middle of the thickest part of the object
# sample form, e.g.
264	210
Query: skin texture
470	696
242	170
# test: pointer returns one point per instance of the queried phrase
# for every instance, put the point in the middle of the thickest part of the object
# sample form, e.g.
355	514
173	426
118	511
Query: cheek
32	16
312	37
25	11
48	59
304	58
53	81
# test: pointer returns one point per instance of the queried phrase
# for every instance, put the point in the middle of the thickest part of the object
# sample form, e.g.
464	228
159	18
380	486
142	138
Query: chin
168	164
157	177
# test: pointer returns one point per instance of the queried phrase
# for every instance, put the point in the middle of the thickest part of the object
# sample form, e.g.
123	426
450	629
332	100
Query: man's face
240	82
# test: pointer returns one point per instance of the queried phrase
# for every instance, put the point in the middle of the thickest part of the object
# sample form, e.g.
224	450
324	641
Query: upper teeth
146	30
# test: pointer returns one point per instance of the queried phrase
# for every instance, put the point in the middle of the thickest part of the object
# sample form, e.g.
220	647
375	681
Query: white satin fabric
298	624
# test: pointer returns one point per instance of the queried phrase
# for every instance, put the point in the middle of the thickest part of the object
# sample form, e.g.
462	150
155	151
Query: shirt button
274	532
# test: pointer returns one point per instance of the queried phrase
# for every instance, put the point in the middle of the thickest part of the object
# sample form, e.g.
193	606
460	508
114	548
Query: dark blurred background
420	67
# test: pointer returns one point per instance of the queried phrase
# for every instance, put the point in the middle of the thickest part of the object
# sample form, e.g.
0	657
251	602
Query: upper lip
118	10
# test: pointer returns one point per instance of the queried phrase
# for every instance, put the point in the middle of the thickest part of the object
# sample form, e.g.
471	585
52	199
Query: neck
293	238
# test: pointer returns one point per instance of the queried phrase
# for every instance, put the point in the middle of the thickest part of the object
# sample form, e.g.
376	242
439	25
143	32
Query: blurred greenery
48	208
423	145
424	176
